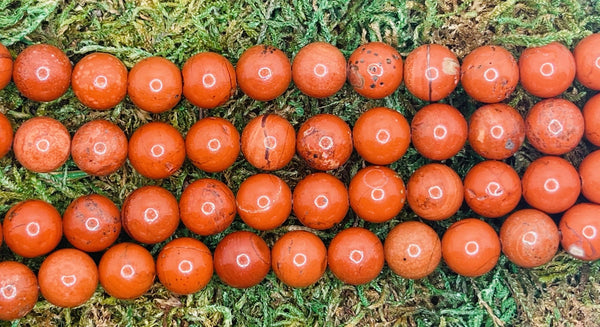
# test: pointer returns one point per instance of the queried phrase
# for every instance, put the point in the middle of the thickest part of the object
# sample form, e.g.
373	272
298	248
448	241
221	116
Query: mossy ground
565	292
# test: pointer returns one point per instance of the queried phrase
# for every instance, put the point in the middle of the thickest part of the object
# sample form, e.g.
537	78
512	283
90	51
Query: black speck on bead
372	86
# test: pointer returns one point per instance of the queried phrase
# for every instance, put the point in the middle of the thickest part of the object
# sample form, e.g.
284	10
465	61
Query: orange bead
99	148
591	120
207	207
126	271
547	71
529	238
355	256
377	194
381	135
184	265
375	70
470	247
579	228
434	192
269	142
299	258
32	228
6	66
208	80
19	290
100	81
324	141
68	278
42	144
155	84
587	60
242	259
492	188
551	184
263	72
554	126
496	131
489	74
590	176
42	72
156	150
264	201
431	72
412	250
212	144
150	214
320	201
319	70
439	131
92	223
6	135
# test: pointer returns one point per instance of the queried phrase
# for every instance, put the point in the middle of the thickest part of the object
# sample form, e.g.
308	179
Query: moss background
564	292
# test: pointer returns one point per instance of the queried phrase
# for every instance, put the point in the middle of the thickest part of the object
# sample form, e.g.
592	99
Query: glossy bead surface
42	144
492	188
324	141
269	142
319	70
212	144
375	70
529	238
32	228
587	61
548	70
68	278
92	223
299	258
263	72
126	271
590	176
496	131
150	214
207	206
355	256
439	131
6	66
184	265
470	247
489	74
100	81
208	80
320	201
155	84
242	259
377	194
264	201
6	135
551	184
99	148
42	72
431	72
579	228
156	150
412	250
591	120
554	126
434	192
381	135
18	290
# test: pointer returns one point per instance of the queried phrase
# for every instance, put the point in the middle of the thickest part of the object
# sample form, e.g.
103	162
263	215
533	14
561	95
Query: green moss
562	292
